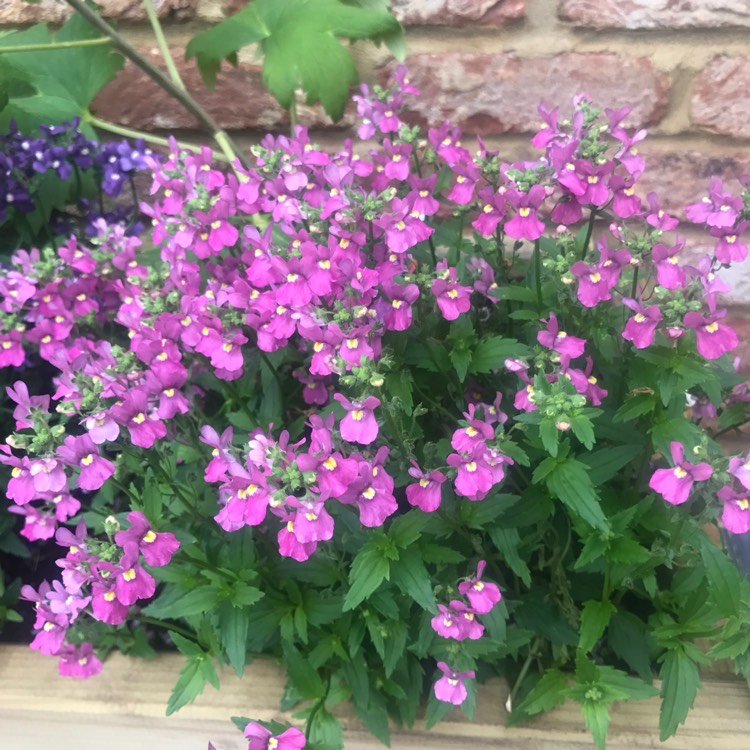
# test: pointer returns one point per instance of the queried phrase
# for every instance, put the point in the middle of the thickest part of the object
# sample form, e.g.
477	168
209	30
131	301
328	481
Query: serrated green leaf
550	436
570	482
198	670
548	693
596	719
507	541
491	353
620	682
369	569
406	529
635	406
627	637
176	601
301	674
724	579
680	684
461	359
412	578
605	463
399	384
299	40
583	429
595	617
233	626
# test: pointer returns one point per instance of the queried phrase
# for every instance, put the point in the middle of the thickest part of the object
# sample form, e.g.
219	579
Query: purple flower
525	224
713	339
482	595
157	549
559	341
453	298
132	582
641	327
451	687
675	484
79	661
359	425
473	476
81	451
739	468
736	513
263	739
426	493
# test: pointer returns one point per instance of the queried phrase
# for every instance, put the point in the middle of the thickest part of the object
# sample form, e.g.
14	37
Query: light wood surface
123	709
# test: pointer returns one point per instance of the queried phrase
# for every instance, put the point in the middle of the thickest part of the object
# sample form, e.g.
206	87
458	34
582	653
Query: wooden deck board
123	709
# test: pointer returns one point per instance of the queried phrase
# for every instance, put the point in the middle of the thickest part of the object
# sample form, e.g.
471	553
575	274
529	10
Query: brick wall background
684	65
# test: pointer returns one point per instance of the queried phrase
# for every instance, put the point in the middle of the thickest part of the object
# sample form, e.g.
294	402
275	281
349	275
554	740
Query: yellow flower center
712	328
330	463
357	415
139	418
88	460
471	466
149	537
368	494
524	211
129	575
424	483
679	472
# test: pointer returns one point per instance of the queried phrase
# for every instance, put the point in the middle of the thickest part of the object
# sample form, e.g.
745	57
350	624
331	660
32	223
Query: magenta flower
133	412
669	273
453	298
729	249
482	595
132	582
525	224
448	623
359	425
82	452
593	284
157	549
675	484
473	475
79	661
641	327
739	468
451	687
718	209
559	341
426	493
736	513
262	738
713	339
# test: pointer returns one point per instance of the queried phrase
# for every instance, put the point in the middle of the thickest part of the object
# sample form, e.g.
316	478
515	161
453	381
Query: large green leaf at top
54	85
300	43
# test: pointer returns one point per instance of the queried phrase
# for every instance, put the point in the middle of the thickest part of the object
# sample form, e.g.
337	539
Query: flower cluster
101	578
457	621
63	150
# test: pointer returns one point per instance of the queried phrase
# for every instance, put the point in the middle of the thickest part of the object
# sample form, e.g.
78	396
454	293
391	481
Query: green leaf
550	436
569	480
491	353
357	675
412	578
233	626
436	710
680	684
179	602
399	385
427	355
301	674
299	40
583	429
193	677
635	406
620	682
507	541
461	359
406	529
605	463
596	718
325	731
595	617
369	569
546	694
724	579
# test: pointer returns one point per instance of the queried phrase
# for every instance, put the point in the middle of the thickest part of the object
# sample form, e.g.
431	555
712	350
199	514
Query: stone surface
492	94
656	14
15	12
458	12
721	97
238	101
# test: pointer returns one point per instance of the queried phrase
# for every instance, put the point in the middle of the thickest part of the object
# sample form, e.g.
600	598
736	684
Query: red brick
682	177
492	94
647	14
17	12
239	100
721	97
458	12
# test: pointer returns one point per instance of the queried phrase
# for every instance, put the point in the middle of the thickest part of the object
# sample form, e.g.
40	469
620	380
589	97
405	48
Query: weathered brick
492	94
647	14
721	97
239	100
458	12
682	177
18	12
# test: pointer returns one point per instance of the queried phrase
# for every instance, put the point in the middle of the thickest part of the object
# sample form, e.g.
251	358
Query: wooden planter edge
134	693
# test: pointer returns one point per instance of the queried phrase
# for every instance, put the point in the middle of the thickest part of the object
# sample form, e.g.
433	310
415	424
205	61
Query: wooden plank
123	709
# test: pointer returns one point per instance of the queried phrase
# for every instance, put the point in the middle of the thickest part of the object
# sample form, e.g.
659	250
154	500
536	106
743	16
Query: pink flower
359	425
739	468
426	494
451	687
713	339
559	341
641	327
81	451
482	595
675	484
79	661
263	739
157	549
736	513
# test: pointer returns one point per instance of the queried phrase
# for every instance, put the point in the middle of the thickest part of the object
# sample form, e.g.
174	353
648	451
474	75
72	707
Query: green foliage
299	41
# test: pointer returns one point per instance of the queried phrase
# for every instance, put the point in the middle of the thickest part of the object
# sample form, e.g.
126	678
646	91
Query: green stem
634	286
589	231
538	273
168	626
44	47
119	42
112	127
524	670
435	404
161	40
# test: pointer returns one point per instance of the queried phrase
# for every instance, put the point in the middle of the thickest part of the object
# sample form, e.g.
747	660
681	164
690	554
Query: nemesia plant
406	416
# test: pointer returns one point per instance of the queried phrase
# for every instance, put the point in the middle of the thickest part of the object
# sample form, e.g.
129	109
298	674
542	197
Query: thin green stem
112	127
45	47
524	670
589	231
161	40
434	404
634	285
191	105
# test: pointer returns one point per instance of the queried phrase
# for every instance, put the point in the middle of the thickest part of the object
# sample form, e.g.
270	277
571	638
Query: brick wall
683	65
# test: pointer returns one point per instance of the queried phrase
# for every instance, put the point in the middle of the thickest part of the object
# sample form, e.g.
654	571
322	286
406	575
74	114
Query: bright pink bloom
482	595
359	425
736	513
451	687
675	484
263	739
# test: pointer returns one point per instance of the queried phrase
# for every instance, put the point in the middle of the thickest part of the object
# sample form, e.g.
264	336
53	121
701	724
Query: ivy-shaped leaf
300	43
